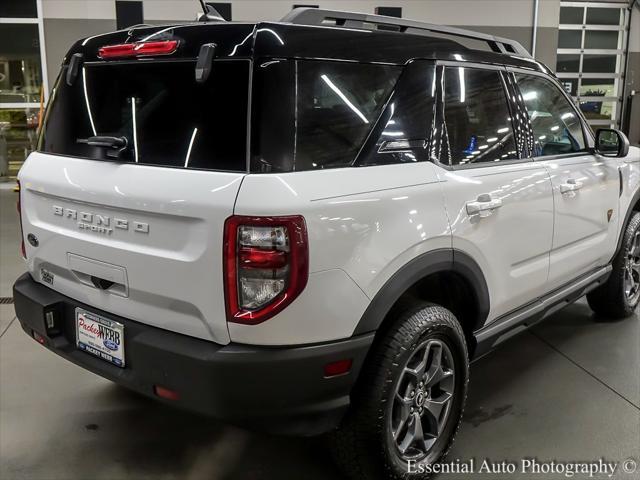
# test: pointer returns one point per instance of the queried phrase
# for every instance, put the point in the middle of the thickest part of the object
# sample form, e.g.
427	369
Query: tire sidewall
632	227
445	333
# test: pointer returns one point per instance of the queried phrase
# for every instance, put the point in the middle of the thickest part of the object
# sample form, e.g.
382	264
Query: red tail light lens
250	257
266	263
165	47
23	249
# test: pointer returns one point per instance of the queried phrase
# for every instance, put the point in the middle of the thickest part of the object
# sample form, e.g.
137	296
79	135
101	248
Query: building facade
593	46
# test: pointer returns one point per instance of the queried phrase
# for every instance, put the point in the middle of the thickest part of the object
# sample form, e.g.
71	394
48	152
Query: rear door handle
571	185
484	205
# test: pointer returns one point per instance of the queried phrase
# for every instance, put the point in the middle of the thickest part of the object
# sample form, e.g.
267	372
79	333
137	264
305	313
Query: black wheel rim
422	399
632	270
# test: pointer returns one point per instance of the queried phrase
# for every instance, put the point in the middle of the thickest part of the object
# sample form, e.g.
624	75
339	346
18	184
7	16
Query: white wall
98	9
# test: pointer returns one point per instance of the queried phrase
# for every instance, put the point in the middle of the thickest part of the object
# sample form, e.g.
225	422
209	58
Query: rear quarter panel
363	224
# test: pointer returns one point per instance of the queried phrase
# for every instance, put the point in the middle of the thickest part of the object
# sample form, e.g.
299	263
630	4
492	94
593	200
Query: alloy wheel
632	271
422	399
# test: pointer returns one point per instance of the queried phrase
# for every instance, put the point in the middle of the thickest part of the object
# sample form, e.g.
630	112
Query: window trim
587	132
441	65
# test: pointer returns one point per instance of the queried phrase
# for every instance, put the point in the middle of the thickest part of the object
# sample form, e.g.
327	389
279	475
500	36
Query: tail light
23	249
266	265
140	49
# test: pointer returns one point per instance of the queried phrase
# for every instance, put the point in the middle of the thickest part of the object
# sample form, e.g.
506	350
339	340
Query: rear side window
556	126
330	106
478	125
166	117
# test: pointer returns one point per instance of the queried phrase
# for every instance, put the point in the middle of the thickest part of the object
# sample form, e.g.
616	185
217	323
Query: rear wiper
117	144
111	142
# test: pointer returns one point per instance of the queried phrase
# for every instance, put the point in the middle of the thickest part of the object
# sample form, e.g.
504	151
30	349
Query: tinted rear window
315	114
167	118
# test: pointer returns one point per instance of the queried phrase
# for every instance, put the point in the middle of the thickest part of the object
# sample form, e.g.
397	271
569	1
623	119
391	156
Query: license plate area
100	336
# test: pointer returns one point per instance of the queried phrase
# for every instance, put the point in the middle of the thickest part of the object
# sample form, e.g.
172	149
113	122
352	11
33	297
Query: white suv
313	225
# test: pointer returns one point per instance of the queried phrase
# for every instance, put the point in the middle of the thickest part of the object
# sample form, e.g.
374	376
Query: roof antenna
209	14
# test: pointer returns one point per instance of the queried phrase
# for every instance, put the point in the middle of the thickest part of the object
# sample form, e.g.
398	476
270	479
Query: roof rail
317	16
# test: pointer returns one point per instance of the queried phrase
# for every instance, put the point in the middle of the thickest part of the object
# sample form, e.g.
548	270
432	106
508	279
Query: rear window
166	117
315	114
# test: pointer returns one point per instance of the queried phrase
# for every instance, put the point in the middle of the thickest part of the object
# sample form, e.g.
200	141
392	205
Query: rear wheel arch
446	277
634	206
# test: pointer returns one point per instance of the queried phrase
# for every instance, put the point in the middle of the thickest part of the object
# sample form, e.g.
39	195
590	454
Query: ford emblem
33	240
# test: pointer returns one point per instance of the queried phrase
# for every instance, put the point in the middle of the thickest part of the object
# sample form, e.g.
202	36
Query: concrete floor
567	391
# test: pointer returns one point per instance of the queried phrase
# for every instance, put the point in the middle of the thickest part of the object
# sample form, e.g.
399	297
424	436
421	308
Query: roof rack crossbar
317	16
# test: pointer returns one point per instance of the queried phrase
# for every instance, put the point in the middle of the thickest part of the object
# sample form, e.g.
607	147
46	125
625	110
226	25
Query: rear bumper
279	390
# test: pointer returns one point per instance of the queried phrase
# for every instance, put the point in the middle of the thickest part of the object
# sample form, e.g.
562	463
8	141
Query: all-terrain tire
610	300
364	446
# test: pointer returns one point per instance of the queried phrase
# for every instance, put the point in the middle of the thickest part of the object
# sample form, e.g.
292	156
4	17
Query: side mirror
611	143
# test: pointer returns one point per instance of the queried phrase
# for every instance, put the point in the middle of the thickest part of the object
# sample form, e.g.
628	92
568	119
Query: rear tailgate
138	168
157	233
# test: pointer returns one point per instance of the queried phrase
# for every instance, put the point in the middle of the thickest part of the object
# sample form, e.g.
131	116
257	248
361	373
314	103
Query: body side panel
587	221
511	246
368	222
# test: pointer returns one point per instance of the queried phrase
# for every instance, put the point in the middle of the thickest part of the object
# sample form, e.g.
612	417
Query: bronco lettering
99	223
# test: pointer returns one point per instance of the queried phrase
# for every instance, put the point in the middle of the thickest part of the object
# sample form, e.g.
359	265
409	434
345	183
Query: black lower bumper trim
279	390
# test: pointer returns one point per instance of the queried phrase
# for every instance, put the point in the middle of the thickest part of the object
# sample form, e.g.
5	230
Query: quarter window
556	126
478	125
312	115
337	105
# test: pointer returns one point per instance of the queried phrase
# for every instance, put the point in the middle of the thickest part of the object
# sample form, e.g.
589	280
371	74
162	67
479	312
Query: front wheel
408	404
619	295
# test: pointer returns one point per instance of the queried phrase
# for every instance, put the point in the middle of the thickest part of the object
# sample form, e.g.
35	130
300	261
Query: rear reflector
165	393
337	368
165	47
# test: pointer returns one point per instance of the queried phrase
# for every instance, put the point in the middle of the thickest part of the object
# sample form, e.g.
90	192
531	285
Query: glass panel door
23	83
590	61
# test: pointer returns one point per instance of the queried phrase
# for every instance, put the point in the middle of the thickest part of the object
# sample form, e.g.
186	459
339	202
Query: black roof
287	40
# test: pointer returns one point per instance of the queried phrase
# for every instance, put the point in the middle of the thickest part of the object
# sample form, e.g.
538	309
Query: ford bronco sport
312	226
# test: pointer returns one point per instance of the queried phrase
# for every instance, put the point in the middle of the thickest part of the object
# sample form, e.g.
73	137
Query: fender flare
436	261
635	199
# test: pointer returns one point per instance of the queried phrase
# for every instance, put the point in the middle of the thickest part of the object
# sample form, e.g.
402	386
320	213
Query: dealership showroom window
187	292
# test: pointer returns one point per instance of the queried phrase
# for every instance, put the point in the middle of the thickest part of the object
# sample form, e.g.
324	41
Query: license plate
100	336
